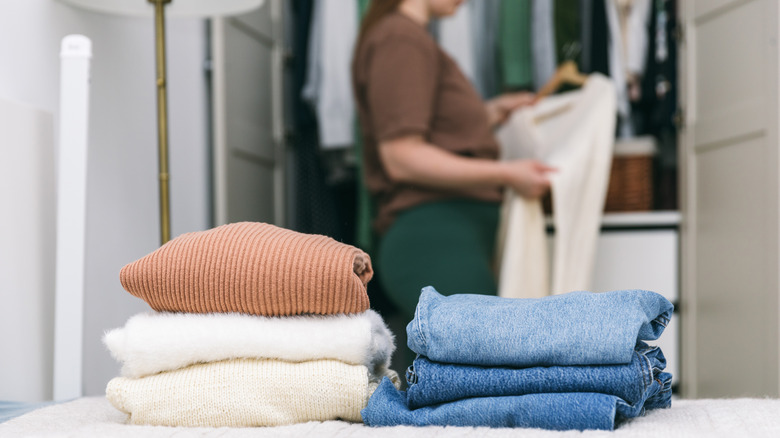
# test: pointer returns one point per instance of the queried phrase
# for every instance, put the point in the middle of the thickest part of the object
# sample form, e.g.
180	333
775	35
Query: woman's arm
411	160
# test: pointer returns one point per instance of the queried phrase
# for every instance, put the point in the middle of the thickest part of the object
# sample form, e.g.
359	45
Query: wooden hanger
567	73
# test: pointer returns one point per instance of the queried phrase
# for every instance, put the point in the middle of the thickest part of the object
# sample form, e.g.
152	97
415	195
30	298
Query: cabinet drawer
637	260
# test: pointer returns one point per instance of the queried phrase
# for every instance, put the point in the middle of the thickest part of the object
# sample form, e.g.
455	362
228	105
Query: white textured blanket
94	417
150	343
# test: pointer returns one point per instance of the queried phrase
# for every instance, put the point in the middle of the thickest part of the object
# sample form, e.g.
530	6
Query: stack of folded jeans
253	325
571	361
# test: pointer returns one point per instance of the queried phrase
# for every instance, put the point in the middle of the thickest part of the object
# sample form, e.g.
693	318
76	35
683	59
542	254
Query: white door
729	158
247	104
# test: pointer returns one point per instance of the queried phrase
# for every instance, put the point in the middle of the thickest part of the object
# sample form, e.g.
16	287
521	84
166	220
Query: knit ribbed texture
252	268
245	392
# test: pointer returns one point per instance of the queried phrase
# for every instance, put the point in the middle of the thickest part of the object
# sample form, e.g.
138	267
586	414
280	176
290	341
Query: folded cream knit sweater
246	392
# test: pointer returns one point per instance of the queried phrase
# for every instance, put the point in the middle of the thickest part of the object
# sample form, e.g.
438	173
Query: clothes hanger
567	73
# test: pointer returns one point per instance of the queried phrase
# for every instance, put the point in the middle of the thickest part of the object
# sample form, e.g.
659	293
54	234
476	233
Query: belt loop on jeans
411	376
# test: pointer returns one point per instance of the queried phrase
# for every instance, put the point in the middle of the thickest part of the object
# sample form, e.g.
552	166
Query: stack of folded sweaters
254	325
571	361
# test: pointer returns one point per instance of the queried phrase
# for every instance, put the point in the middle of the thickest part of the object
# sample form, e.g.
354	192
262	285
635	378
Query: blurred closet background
263	129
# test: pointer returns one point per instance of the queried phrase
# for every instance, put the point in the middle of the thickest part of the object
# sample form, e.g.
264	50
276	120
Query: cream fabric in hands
522	249
573	132
150	343
246	392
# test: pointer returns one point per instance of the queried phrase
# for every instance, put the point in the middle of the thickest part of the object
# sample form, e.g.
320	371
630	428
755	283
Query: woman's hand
499	108
528	177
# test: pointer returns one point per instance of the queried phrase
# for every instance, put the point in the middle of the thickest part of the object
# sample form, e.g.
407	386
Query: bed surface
94	416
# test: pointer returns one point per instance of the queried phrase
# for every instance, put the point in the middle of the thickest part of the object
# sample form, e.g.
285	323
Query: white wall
26	235
122	200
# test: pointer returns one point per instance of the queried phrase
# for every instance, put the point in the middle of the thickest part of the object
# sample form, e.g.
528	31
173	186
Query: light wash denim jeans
431	383
577	328
557	411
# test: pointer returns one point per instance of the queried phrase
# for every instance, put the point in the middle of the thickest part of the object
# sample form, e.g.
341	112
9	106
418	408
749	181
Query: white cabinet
641	251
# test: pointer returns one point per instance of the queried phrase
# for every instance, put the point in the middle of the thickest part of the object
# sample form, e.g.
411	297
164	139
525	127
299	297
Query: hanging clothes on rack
598	40
586	28
485	16
637	23
567	22
573	132
543	41
514	45
456	36
468	37
314	200
634	21
328	88
658	103
362	8
617	69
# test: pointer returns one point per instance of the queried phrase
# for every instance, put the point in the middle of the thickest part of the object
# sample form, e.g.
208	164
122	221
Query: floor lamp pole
162	120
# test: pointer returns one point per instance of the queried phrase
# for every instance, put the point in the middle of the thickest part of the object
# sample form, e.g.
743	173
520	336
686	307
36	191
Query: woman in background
430	156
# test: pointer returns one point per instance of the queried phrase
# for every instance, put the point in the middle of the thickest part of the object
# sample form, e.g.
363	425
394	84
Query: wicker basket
631	177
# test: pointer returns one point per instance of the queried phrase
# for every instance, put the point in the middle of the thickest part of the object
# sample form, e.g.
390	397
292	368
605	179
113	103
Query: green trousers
447	244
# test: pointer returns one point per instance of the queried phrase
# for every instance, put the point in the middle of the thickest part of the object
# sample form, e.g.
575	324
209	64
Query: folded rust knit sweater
252	268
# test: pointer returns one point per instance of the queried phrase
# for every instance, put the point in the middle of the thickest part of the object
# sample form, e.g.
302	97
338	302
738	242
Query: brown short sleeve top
404	85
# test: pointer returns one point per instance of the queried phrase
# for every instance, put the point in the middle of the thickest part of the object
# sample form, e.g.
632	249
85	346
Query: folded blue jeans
556	411
431	383
577	328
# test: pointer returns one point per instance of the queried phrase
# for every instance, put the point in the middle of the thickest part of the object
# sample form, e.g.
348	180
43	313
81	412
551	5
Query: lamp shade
181	8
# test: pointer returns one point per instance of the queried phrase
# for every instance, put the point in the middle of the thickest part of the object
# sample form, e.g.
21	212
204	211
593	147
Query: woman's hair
377	10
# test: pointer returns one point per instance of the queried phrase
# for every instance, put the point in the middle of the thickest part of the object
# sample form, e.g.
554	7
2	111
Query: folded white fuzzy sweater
154	342
246	392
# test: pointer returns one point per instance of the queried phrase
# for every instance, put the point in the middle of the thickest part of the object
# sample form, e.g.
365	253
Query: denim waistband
578	328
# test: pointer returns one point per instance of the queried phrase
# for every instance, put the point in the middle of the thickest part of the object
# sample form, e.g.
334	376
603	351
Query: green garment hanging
362	7
514	44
